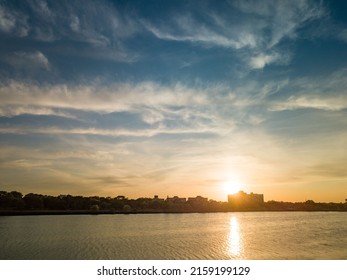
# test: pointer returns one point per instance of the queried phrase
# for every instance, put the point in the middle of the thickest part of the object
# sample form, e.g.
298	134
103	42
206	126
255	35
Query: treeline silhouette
14	202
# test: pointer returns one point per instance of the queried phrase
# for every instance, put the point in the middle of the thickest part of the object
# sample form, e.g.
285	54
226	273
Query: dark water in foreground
256	235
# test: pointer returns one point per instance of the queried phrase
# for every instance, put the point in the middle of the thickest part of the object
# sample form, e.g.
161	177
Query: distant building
176	199
156	198
198	202
198	199
242	199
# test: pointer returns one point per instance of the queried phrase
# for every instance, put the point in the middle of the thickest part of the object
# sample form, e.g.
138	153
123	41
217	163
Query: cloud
213	31
271	22
152	116
152	108
253	27
194	32
41	8
98	98
99	26
107	132
282	19
241	25
11	111
155	109
13	22
26	60
343	35
261	60
75	23
7	20
334	170
307	102
255	120
323	93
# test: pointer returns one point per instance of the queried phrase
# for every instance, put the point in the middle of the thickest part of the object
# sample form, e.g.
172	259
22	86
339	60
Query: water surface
252	235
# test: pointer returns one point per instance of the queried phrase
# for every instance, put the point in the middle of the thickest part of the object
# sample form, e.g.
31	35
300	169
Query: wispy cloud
33	60
155	108
281	19
191	31
186	28
13	22
41	8
306	102
98	98
7	20
107	132
100	26
11	111
259	34
261	60
323	93
255	28
343	35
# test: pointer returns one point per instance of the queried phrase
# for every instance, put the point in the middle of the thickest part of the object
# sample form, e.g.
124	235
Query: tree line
14	200
17	202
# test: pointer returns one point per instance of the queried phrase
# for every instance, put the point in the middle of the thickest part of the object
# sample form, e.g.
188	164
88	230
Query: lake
248	235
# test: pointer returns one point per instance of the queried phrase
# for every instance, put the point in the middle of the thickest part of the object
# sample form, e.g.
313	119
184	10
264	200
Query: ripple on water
261	235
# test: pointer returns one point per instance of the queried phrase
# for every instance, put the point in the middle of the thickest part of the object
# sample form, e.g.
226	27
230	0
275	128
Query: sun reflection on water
234	240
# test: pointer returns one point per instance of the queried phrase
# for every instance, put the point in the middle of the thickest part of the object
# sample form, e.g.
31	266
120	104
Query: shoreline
107	212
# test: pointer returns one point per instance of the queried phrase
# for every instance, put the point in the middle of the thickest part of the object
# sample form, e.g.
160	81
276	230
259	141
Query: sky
187	98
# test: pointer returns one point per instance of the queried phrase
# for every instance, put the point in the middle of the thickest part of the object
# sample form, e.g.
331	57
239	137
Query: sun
232	187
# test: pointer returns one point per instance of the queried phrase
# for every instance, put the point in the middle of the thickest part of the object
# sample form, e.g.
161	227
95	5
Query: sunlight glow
234	240
232	187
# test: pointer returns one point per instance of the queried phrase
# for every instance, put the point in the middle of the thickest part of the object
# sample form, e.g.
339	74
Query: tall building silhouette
242	199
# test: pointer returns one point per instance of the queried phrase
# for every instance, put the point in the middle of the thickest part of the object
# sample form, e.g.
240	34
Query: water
256	235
